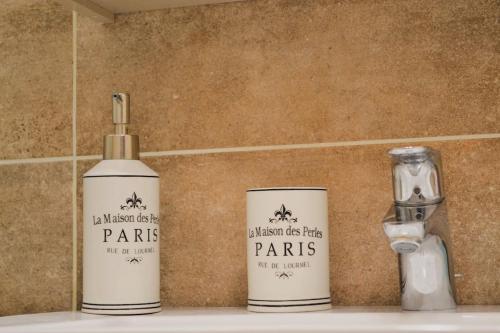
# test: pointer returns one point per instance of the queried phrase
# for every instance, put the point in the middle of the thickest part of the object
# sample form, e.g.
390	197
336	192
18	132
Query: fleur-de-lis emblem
283	214
133	202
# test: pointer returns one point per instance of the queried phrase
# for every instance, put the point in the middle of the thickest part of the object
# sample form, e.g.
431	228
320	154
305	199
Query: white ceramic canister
288	249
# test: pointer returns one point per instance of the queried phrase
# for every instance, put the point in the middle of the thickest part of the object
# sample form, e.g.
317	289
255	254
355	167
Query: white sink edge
473	319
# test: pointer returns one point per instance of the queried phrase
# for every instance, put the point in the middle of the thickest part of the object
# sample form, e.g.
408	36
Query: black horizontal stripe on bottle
102	304
128	314
287	189
287	300
287	305
122	309
104	176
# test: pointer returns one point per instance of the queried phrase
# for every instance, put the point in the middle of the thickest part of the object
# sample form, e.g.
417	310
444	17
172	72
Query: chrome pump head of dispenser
121	145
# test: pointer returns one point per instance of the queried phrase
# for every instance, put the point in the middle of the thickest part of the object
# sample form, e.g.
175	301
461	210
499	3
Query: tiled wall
35	124
250	94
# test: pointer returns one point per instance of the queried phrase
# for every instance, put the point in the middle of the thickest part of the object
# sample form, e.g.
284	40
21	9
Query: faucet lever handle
416	175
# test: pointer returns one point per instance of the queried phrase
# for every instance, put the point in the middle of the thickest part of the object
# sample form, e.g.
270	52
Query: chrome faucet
417	228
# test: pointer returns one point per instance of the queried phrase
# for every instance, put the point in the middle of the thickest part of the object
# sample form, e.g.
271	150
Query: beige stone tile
203	203
283	72
35	76
203	214
35	238
473	188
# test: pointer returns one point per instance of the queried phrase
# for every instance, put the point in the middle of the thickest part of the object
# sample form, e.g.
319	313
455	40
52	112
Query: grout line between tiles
74	271
264	148
307	146
36	160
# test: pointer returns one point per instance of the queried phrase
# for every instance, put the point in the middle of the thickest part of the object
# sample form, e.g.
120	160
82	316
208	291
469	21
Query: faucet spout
417	228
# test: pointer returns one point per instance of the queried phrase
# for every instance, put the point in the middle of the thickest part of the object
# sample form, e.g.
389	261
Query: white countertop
473	319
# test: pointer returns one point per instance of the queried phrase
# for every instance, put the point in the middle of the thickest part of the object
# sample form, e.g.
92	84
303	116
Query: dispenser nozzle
121	145
121	112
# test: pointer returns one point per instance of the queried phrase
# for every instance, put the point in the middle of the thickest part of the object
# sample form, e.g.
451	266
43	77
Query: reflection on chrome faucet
417	228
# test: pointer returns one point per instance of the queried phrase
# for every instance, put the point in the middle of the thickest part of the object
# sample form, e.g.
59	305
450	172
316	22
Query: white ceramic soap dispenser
121	268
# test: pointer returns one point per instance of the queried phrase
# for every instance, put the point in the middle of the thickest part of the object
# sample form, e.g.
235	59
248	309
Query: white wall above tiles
104	10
